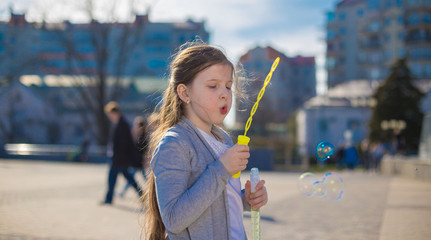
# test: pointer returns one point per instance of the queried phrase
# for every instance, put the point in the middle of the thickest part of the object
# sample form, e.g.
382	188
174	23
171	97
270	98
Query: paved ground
40	200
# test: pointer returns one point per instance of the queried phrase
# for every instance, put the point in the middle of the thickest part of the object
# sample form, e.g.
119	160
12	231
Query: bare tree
98	70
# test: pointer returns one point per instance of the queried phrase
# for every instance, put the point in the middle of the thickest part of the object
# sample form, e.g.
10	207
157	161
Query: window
362	57
427	70
388	21
389	54
413	19
416	69
374	26
401	35
387	37
342	16
374	73
330	34
401	52
400	20
330	62
330	17
427	18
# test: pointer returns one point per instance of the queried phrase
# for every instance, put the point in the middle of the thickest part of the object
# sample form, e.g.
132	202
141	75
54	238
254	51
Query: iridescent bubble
334	186
324	150
319	188
305	184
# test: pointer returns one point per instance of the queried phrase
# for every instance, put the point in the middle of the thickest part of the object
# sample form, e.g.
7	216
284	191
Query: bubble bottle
255	214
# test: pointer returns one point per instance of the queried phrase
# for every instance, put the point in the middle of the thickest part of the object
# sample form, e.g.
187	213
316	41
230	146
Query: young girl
191	193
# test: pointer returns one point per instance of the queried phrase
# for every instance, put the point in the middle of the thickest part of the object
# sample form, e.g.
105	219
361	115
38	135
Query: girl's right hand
235	159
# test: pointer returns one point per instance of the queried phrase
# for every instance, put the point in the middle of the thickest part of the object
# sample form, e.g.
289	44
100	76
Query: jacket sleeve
245	204
179	204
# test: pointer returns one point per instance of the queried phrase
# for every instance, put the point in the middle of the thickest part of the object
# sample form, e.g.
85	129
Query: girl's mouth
223	110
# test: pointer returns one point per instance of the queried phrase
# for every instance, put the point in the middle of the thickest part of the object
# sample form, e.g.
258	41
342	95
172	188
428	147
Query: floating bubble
331	187
305	184
324	150
319	188
334	186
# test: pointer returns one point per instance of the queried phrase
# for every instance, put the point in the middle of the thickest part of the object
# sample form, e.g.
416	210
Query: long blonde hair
192	58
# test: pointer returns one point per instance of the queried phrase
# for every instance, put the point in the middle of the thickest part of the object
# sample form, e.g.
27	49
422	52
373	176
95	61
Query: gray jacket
191	184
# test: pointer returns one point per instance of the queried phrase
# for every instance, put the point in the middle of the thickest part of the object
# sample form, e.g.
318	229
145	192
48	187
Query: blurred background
353	73
339	78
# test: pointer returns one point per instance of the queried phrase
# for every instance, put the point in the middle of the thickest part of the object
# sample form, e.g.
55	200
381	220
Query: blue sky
290	26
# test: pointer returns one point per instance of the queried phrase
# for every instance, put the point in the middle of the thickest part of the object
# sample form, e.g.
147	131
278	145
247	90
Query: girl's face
210	96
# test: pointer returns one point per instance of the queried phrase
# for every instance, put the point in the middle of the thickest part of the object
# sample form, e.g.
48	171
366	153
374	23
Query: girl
191	193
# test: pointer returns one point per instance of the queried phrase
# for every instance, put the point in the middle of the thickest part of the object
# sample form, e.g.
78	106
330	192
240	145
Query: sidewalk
41	200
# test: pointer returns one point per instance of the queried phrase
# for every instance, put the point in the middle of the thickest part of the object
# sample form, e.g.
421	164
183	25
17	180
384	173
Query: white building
25	116
339	117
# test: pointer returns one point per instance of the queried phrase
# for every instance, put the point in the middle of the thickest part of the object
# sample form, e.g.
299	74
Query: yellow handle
242	140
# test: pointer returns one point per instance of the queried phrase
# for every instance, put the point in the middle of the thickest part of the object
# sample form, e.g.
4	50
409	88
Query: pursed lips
223	110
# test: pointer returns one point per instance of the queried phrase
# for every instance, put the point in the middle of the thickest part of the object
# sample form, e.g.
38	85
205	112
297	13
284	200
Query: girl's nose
224	94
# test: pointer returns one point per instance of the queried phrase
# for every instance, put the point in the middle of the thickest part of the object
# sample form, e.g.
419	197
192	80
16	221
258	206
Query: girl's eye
213	86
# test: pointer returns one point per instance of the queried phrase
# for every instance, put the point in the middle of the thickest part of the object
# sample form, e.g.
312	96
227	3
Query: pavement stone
52	200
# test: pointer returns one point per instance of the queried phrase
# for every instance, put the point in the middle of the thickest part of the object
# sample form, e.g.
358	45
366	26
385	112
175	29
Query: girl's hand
257	199
235	159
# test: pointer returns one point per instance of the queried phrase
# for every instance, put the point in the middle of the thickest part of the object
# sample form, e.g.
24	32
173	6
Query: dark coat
123	146
141	147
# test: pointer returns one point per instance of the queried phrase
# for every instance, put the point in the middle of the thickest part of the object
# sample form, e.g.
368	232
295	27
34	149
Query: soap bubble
334	186
324	150
305	184
319	188
331	187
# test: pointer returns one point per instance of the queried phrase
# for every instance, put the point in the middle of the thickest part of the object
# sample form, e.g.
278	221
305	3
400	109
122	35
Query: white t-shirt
233	192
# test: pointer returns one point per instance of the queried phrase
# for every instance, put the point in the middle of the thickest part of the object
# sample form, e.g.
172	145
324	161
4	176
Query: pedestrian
365	155
351	157
191	193
123	151
339	156
377	152
83	155
140	139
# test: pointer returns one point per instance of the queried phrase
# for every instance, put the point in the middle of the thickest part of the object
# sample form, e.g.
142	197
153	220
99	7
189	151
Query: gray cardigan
191	184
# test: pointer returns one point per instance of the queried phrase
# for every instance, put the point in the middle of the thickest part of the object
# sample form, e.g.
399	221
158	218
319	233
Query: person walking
123	151
140	139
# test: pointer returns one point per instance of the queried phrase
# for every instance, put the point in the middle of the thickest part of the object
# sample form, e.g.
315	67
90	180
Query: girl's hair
192	58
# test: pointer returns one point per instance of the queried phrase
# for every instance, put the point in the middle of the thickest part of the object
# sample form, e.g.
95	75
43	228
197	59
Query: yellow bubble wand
243	139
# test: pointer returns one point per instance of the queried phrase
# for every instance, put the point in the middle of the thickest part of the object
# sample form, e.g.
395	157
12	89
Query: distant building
139	48
51	64
26	117
293	83
339	117
365	37
53	114
342	115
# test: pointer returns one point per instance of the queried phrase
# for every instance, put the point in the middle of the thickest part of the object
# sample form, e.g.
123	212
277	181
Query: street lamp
396	125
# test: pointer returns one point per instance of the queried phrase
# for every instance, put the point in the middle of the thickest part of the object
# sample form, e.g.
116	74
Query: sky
293	27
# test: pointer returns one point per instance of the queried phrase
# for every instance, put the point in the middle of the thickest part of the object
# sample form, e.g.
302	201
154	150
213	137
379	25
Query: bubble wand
243	139
254	173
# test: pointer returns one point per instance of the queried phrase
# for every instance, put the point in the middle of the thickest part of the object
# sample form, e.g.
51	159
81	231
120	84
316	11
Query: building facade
139	48
365	37
342	115
339	117
60	71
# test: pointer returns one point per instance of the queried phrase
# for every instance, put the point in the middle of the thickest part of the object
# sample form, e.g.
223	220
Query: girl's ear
182	92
